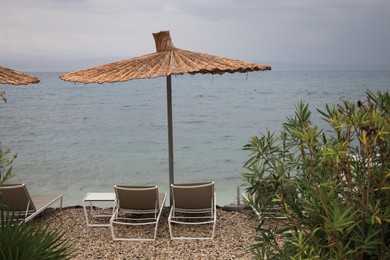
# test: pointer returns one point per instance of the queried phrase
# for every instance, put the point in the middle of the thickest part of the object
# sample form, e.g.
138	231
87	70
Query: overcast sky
66	35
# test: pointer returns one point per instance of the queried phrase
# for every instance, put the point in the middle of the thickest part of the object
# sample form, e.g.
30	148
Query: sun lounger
16	198
193	204
137	206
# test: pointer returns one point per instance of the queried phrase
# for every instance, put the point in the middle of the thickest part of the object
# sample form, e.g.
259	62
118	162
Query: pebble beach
234	234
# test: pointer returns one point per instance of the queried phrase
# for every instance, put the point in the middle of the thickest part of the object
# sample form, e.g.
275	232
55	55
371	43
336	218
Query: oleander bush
323	194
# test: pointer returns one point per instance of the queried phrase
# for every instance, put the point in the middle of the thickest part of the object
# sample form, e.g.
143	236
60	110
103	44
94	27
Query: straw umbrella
9	76
166	61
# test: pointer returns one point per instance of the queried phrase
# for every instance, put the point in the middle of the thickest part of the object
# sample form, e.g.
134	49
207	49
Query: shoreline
234	234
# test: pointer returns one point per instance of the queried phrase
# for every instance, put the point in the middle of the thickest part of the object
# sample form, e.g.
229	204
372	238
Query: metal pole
170	134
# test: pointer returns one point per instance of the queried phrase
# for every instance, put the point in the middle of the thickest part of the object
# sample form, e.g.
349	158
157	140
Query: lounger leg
86	214
112	225
169	222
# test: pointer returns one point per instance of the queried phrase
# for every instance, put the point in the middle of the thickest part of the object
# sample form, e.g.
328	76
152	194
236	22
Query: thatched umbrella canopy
166	61
9	76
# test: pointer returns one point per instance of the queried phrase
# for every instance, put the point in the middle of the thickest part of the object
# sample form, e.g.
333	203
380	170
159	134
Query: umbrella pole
170	134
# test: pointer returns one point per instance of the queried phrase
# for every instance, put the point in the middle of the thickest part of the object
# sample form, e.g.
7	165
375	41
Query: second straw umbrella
13	77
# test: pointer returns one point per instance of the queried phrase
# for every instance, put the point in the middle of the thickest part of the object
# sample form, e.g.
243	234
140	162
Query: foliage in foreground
5	165
31	241
2	95
326	193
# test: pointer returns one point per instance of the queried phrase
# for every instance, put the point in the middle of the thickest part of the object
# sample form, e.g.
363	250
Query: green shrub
31	241
20	240
5	165
2	95
328	191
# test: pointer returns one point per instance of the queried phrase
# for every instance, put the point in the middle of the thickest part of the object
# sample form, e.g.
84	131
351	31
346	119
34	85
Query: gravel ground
233	236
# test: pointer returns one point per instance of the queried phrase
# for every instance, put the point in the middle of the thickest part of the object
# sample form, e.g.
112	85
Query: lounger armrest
42	202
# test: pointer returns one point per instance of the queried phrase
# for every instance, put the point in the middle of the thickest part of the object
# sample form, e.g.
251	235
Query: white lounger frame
209	214
128	221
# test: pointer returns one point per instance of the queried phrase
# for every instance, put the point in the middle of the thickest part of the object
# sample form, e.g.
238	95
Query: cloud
327	32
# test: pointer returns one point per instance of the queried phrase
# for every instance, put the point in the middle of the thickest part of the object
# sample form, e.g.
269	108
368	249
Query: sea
74	138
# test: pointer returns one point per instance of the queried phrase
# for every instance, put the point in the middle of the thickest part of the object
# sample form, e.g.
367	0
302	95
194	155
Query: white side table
92	197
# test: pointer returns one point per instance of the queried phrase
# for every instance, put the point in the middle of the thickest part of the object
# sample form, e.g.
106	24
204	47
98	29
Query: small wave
232	178
193	122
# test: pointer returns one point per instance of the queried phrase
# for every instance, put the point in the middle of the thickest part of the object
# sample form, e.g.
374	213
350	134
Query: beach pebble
234	235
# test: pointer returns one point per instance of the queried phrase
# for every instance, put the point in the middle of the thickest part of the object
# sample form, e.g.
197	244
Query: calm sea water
76	138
